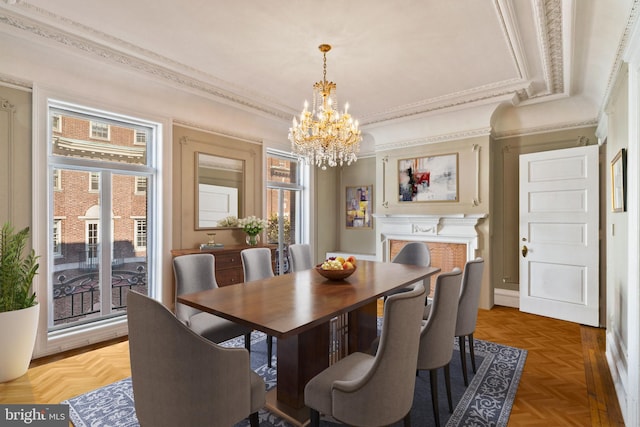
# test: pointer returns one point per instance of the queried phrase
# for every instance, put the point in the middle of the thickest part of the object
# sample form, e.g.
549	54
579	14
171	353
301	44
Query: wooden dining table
297	309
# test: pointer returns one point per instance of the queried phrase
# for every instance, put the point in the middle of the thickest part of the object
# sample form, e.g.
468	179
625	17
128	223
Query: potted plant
18	307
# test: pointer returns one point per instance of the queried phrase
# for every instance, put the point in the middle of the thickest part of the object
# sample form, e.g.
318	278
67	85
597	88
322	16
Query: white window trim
159	275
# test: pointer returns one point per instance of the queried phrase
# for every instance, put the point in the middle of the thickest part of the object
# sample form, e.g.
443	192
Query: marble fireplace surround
442	228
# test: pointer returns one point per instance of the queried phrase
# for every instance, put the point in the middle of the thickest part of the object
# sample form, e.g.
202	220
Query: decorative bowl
335	274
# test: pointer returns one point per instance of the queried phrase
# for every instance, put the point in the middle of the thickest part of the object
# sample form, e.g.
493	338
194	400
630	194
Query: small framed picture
619	182
359	204
428	179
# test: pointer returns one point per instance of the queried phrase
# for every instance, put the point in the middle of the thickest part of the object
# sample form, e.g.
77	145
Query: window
57	180
285	188
141	233
141	185
94	181
56	123
91	254
99	130
104	203
57	237
141	138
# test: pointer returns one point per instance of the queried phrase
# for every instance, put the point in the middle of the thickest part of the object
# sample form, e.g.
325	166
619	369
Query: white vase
18	336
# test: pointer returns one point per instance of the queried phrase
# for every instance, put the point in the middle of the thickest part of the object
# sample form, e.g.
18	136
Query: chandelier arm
324	136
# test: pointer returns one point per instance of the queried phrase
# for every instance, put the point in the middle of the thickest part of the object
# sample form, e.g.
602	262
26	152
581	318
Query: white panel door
216	203
559	234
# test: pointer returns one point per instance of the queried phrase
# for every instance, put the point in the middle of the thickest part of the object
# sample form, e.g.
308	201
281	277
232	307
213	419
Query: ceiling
390	60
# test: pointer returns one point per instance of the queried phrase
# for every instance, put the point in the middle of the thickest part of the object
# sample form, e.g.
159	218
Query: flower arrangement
252	225
230	221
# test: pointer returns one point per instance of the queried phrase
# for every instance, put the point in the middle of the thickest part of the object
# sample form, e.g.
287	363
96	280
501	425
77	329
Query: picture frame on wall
428	179
358	206
619	181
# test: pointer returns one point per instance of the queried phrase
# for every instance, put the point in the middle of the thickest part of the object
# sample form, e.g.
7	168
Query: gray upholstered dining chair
195	273
468	311
180	378
437	334
414	253
366	390
257	265
300	257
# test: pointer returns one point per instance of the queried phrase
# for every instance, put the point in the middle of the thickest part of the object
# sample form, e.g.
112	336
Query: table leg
363	327
300	358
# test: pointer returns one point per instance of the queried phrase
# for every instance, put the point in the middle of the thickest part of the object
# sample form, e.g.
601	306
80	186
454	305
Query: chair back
193	273
413	253
180	378
300	257
256	264
437	335
384	394
469	297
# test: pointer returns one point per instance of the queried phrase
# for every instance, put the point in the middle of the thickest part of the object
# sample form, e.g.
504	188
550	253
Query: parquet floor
565	380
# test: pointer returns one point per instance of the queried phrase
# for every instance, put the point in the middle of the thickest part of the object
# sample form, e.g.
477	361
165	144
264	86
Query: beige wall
186	143
617	230
326	199
470	180
15	157
355	240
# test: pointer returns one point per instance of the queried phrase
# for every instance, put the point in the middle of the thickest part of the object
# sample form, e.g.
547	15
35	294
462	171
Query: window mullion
106	241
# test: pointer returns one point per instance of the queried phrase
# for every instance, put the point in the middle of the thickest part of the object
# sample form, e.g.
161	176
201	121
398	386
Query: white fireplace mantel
449	228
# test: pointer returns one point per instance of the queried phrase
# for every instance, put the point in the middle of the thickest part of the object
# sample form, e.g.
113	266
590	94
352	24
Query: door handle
525	251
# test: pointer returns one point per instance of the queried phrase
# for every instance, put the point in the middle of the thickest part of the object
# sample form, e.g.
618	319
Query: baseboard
617	368
506	298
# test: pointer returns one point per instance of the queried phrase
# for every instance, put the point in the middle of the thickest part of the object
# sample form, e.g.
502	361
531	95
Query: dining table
297	308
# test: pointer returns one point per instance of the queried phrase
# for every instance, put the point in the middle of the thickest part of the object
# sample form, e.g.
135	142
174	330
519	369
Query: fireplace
452	239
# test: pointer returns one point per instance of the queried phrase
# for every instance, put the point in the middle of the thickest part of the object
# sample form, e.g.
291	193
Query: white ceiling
390	59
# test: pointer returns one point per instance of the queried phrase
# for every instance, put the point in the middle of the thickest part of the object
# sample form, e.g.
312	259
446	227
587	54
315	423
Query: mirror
219	189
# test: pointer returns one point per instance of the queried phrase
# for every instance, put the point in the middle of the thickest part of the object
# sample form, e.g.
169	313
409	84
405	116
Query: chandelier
324	136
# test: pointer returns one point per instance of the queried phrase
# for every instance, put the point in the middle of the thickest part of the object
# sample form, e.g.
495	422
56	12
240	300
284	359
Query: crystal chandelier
325	136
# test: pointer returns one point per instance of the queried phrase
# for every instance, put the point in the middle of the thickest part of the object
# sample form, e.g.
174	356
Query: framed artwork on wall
359	204
428	179
619	181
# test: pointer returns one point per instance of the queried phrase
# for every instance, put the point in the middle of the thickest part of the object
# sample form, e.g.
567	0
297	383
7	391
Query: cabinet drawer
232	260
229	276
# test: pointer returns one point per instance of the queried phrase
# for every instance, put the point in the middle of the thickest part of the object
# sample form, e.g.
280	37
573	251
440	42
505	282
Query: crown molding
548	14
548	19
123	54
16	82
454	136
620	53
545	129
216	131
75	36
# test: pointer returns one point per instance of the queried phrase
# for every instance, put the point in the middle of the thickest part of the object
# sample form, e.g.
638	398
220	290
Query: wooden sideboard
228	263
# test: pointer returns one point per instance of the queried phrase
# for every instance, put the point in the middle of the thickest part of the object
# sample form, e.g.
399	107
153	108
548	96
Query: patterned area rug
486	402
